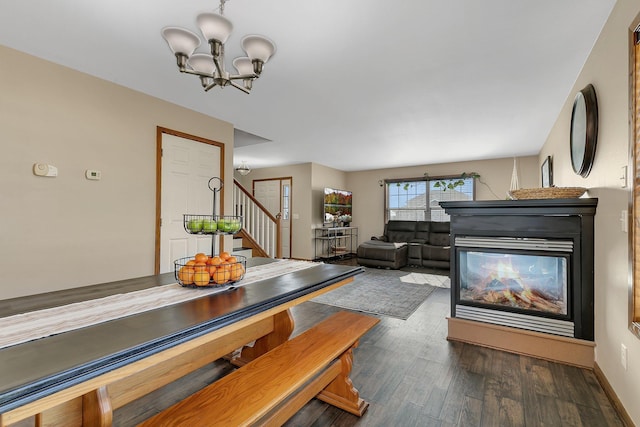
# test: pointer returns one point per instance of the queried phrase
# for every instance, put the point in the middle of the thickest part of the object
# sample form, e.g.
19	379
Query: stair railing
257	221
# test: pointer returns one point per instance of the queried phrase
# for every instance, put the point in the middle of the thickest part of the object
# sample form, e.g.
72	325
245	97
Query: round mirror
584	131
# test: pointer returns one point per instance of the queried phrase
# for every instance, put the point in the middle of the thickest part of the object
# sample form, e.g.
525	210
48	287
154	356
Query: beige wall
368	196
607	69
68	231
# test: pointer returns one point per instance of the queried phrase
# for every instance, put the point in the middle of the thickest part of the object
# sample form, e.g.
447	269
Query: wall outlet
623	356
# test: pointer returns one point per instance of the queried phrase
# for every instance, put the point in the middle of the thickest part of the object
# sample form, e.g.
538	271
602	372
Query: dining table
68	374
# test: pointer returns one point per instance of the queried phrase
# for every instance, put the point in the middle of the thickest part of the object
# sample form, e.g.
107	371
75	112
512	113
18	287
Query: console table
332	242
80	377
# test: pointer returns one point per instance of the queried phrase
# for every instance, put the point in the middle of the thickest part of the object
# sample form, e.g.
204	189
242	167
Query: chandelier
210	67
244	168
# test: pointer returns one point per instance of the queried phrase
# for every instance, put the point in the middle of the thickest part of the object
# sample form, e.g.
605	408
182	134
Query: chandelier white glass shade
210	67
243	169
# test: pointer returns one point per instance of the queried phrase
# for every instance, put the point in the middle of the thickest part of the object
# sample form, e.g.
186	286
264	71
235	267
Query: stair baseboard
245	252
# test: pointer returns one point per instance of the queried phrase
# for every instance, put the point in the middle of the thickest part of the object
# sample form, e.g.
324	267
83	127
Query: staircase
260	234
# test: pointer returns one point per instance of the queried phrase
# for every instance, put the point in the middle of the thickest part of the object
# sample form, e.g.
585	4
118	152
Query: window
419	199
285	201
406	200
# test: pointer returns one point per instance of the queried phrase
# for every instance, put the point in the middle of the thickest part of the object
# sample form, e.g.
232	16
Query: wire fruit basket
203	271
212	224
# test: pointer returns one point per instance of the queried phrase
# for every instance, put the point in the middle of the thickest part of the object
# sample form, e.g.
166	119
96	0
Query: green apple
194	225
236	225
224	225
209	225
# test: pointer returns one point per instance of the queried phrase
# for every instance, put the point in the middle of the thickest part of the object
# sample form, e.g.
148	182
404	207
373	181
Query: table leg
96	408
282	328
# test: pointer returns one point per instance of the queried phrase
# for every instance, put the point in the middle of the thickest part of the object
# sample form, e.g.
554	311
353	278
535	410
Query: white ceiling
354	84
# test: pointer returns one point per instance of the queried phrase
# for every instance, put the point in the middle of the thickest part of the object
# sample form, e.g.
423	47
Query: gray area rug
382	292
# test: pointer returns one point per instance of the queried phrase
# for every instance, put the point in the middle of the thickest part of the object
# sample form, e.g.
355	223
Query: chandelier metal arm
206	89
195	73
217	61
228	79
242	77
237	86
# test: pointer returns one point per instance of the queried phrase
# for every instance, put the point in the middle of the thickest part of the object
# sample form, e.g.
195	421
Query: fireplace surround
524	264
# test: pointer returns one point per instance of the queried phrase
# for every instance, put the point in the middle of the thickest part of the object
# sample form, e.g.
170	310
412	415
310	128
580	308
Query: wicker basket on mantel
548	193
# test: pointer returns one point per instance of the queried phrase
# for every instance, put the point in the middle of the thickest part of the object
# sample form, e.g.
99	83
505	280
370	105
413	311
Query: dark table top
42	367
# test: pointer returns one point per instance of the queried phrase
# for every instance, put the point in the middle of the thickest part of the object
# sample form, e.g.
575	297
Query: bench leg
340	392
282	328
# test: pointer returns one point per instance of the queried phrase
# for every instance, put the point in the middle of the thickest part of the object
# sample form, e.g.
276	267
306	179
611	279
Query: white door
187	166
275	196
268	193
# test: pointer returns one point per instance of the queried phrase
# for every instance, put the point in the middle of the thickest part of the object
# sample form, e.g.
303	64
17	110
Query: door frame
280	179
159	132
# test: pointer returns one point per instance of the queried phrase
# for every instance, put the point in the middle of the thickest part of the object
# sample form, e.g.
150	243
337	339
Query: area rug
427	279
381	292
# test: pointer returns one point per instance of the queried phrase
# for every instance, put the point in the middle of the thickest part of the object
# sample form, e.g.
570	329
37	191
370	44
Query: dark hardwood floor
412	376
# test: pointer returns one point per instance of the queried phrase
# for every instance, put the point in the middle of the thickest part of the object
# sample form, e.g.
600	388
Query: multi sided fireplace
515	282
526	264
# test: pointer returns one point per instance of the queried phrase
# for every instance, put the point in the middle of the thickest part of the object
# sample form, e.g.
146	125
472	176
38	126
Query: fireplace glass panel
528	282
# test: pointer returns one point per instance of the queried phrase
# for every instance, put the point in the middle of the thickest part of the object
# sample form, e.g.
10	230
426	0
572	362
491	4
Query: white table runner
29	326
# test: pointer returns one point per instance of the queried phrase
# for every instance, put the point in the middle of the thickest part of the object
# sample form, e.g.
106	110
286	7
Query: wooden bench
273	387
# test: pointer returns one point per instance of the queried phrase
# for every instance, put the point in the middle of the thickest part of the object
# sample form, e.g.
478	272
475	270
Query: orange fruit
224	255
201	278
200	266
216	260
212	269
221	275
191	263
231	260
237	270
200	257
185	275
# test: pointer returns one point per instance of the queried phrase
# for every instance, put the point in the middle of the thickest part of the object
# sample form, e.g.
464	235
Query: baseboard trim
555	348
613	397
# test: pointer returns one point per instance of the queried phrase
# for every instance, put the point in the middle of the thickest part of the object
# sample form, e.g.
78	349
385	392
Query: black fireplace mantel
557	219
523	207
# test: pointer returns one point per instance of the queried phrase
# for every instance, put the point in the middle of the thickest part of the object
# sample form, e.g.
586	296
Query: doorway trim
280	179
159	132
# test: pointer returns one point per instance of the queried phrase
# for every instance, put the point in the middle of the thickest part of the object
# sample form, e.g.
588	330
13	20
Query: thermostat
43	169
92	174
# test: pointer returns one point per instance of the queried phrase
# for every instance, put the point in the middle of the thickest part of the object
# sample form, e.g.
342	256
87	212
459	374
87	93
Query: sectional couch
421	243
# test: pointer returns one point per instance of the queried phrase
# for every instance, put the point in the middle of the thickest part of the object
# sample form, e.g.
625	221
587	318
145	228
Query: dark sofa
421	243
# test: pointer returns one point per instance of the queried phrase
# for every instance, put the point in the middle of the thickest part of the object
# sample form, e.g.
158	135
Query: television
337	208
